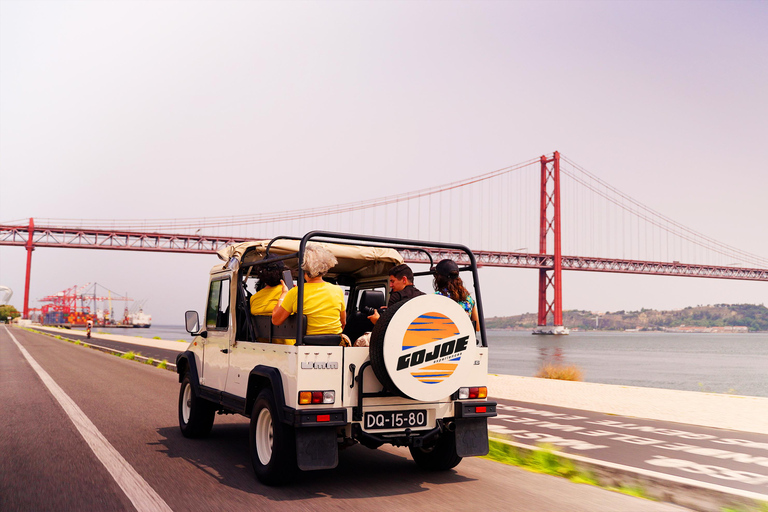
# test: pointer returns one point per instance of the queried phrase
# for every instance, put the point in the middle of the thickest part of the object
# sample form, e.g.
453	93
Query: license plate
395	419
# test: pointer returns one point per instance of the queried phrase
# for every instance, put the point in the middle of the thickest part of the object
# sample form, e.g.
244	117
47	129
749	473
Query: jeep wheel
195	414
272	443
439	457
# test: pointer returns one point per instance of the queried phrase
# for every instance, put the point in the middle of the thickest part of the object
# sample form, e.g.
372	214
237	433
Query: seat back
287	330
357	321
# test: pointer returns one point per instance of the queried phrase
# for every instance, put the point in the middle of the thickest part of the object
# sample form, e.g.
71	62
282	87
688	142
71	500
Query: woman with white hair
323	301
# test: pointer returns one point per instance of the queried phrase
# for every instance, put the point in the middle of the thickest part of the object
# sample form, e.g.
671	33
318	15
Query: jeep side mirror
192	322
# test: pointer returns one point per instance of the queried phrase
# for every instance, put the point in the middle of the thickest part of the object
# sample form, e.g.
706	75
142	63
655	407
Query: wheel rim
186	403
264	436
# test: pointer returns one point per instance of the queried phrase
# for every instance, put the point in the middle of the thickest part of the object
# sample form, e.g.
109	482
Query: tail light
478	392
316	397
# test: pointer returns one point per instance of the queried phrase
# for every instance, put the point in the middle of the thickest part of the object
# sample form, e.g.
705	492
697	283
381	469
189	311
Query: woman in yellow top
268	292
323	302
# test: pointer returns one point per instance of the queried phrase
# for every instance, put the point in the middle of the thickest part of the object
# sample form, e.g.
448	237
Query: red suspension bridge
549	209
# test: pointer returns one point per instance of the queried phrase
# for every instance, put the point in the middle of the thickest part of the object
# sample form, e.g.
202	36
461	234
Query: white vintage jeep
421	384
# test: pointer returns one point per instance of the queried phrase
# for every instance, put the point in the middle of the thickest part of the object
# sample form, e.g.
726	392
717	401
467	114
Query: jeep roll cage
367	241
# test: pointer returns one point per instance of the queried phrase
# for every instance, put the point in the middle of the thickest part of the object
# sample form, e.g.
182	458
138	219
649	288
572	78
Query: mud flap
316	448
471	437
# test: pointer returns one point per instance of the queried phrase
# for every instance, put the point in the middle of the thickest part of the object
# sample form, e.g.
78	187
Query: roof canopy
356	260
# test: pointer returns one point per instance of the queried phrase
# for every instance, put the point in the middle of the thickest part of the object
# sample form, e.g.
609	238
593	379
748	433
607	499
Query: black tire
439	457
376	349
272	443
195	414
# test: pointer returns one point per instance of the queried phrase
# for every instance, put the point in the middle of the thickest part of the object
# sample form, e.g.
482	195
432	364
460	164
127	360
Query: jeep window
217	315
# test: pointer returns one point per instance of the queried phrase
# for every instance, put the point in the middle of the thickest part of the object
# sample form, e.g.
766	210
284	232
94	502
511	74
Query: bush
559	372
156	338
163	365
129	355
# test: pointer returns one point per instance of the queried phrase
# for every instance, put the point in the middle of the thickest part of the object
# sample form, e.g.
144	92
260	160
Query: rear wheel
272	443
195	414
439	457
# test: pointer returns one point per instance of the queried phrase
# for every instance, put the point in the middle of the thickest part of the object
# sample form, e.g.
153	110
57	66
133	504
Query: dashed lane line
141	494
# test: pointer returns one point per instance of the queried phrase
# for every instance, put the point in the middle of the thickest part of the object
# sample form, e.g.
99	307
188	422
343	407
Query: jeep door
218	326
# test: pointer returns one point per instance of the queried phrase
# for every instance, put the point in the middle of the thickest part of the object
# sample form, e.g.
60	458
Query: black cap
447	268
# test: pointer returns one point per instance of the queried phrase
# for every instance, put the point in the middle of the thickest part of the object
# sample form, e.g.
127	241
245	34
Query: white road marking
143	497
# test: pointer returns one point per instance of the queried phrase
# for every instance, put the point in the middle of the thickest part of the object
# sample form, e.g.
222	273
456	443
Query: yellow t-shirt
265	300
323	304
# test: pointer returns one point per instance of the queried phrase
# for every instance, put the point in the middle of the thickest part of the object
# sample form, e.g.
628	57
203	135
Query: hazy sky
166	109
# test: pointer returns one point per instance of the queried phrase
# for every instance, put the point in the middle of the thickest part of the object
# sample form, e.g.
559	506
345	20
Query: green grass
150	361
163	365
761	507
129	355
156	338
546	461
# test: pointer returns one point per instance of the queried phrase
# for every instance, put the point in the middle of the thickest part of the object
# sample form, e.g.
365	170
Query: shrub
163	365
156	338
150	361
129	355
559	372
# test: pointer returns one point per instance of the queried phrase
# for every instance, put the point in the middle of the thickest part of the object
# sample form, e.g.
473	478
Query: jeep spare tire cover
424	348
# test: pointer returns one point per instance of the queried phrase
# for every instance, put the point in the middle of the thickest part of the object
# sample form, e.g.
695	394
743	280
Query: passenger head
448	282
317	260
270	274
400	276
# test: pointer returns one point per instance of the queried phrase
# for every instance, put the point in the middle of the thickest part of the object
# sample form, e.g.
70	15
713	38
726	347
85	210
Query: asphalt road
46	463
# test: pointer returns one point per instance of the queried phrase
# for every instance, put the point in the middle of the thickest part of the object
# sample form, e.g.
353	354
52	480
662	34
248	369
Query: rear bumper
301	418
474	409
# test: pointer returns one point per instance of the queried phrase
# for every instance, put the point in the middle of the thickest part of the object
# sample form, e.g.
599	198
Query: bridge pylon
550	277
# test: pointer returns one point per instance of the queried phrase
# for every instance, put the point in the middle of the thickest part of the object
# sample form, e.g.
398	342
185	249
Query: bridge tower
30	246
550	277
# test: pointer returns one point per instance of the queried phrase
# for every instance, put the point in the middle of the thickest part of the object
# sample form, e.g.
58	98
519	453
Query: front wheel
272	443
195	414
439	457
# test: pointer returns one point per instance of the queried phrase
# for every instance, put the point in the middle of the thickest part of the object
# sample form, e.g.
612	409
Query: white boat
558	330
140	319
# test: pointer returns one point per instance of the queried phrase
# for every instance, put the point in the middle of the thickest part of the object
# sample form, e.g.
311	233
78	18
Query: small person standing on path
88	327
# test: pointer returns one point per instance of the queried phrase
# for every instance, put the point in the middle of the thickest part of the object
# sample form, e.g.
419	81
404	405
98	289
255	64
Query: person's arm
374	317
280	314
475	318
343	318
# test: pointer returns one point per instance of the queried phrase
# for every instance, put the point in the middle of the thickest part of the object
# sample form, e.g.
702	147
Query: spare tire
423	348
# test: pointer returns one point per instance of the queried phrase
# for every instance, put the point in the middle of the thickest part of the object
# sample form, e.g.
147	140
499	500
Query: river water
719	363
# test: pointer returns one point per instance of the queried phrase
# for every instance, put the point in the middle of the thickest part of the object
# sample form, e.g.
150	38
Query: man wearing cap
401	288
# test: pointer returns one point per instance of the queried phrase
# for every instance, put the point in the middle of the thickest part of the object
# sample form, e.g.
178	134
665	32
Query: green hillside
753	316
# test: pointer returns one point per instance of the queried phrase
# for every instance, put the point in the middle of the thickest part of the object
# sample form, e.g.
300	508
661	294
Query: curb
107	350
684	492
